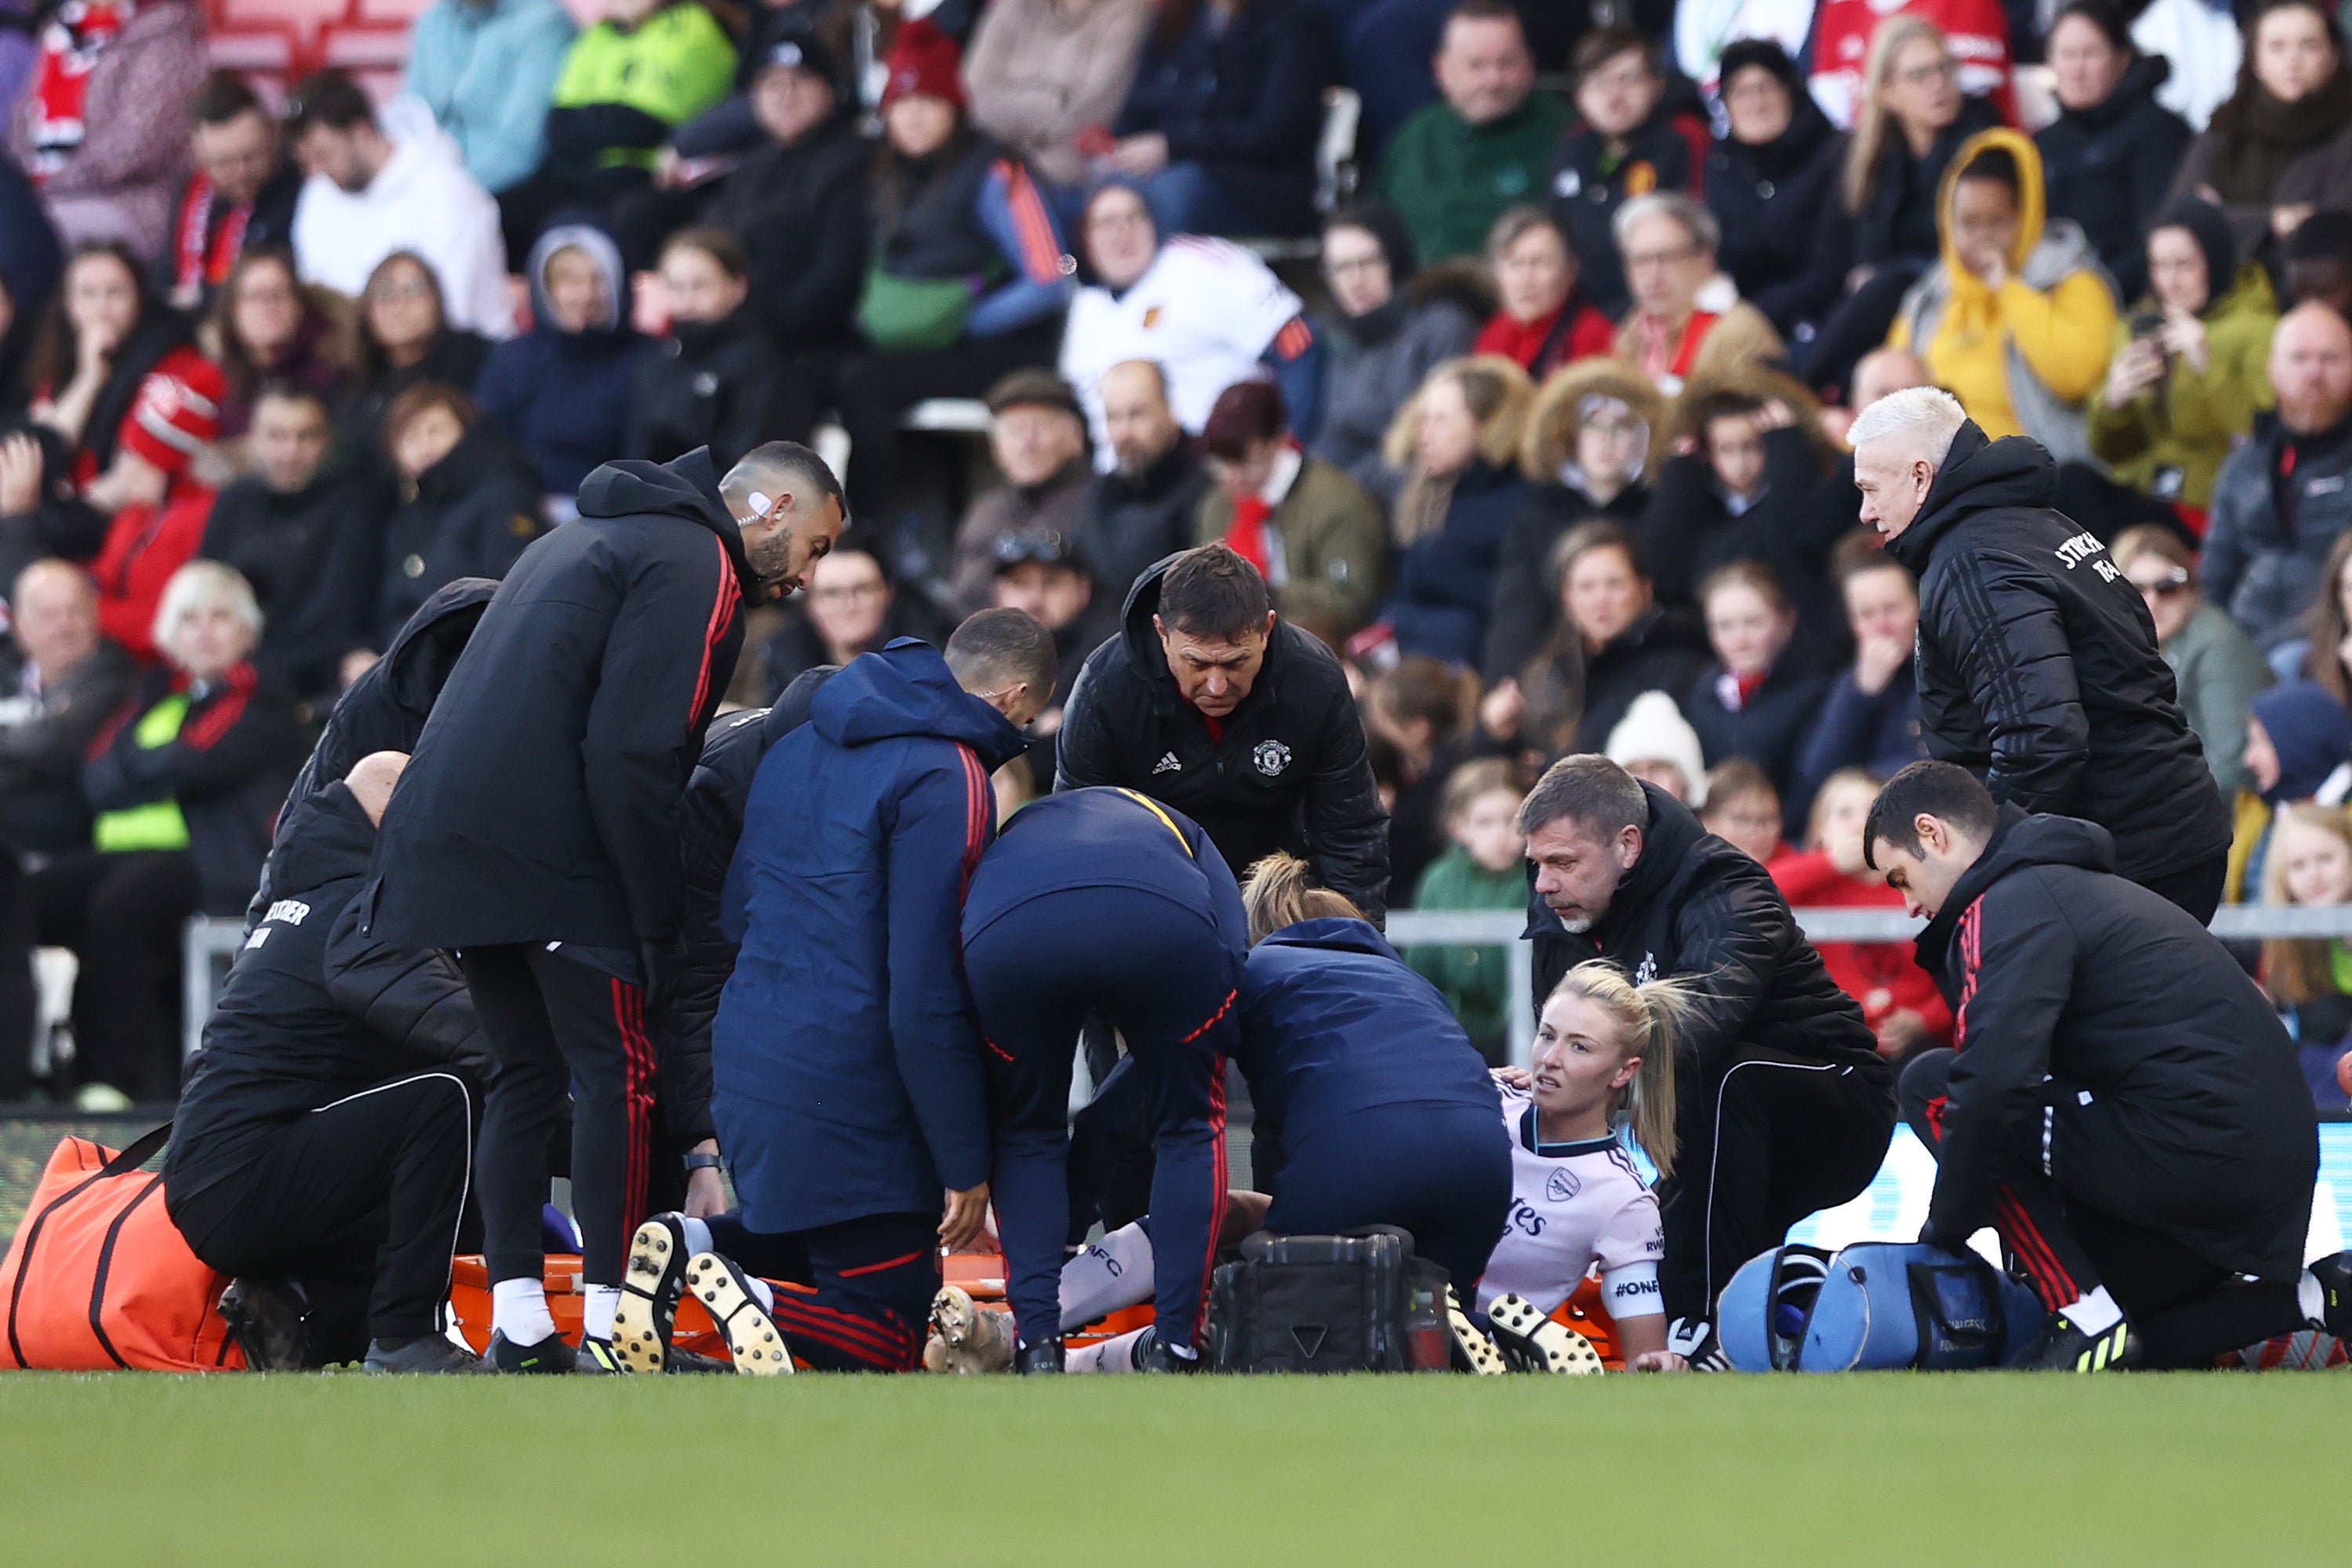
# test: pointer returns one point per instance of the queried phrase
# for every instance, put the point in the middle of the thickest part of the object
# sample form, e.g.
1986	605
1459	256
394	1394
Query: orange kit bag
98	1278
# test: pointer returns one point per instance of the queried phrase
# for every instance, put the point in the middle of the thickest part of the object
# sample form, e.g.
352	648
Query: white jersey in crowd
421	200
1204	310
1573	1205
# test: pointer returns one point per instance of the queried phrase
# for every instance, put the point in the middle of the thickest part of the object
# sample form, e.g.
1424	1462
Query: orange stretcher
980	1273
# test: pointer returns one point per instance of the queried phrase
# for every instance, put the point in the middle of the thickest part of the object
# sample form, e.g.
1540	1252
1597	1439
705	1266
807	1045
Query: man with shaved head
2282	499
324	1141
1142	511
2037	665
537	833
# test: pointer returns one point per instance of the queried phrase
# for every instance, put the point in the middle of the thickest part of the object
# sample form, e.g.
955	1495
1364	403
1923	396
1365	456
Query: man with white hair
1668	242
2037	663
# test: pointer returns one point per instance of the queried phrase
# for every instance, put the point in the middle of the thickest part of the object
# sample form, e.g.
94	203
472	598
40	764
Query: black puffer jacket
541	802
1695	907
709	384
2037	664
2065	979
384	708
2109	166
708	828
800	212
1687	530
313	1011
1781	212
473	513
1289	772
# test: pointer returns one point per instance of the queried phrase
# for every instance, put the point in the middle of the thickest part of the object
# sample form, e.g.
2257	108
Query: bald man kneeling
324	1142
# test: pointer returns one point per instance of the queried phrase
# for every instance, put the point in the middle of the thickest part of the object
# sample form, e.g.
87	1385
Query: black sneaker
1152	1355
2334	1273
651	1283
1044	1357
426	1353
265	1317
686	1364
2063	1347
1694	1339
596	1358
550	1354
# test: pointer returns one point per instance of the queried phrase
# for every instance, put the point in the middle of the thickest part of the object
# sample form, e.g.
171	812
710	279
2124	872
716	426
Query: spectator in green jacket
1485	146
626	83
1482	870
2192	365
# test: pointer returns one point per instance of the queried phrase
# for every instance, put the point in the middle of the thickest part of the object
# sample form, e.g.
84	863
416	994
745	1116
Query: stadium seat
266	54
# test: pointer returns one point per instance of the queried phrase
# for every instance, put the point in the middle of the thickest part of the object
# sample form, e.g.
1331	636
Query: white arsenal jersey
1573	1205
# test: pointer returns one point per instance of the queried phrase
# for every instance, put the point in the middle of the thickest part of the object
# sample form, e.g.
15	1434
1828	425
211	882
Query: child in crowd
2310	864
1755	699
1743	809
1482	870
711	382
1899	1000
1604	1052
1657	745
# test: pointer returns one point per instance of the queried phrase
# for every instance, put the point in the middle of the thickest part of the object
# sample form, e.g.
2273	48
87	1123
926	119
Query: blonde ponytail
1650	1019
1279	892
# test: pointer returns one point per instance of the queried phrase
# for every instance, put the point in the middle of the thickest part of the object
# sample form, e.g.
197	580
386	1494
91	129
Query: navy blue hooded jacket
1334	1022
542	800
566	396
847	1078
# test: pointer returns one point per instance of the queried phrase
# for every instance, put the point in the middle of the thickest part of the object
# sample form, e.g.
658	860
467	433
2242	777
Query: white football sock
1114	1354
596	1320
2095	1313
761	1293
519	1310
1106	1275
2311	1298
698	1234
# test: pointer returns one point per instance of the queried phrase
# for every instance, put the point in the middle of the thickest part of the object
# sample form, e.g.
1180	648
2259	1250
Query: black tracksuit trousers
2062	1228
1773	1139
357	1202
556	1023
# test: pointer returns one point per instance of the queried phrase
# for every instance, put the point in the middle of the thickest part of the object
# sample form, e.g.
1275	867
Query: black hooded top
384	708
541	804
314	1011
1694	906
1288	769
2058	971
1778	201
2037	666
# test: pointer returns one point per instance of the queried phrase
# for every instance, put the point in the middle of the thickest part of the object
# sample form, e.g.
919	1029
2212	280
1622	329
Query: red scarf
1247	536
1658	362
70	44
198	256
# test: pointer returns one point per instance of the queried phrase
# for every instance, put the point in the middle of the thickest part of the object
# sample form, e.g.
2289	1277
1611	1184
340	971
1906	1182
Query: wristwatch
700	1161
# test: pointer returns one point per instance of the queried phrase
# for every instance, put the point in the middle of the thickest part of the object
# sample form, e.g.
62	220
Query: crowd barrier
212	944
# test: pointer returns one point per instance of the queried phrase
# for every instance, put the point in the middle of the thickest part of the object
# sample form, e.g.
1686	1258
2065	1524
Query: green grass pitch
143	1471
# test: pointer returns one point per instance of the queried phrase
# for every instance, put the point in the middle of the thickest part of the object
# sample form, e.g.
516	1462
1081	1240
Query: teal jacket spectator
487	68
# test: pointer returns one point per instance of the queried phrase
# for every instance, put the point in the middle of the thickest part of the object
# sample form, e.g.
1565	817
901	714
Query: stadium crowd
1532	417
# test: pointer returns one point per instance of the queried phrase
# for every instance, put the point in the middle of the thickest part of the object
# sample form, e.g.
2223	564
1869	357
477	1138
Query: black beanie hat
2207	225
1738	57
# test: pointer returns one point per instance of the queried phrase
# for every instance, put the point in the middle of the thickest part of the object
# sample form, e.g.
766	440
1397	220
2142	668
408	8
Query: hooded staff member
537	831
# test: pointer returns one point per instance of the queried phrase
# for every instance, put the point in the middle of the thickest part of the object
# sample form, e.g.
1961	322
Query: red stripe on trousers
636	1103
881	1334
891	1363
889	1263
2051	1281
1217	1170
851	1336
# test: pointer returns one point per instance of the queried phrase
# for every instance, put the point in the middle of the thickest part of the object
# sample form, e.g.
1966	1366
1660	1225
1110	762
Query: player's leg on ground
875	1280
2186	1310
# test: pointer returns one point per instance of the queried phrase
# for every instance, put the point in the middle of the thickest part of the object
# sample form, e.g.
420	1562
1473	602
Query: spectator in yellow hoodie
2018	318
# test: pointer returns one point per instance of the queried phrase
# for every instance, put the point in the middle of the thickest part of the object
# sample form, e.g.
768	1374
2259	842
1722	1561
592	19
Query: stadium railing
211	943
